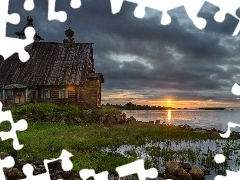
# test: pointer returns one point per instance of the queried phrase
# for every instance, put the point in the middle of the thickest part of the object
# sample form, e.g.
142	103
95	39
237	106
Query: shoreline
86	138
89	147
120	119
118	131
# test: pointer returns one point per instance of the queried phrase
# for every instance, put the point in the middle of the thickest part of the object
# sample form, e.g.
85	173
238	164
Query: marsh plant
104	147
195	152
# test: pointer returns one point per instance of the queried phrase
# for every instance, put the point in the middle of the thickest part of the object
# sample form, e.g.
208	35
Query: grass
86	140
53	112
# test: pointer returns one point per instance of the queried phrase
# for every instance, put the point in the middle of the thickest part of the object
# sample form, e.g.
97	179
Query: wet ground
198	152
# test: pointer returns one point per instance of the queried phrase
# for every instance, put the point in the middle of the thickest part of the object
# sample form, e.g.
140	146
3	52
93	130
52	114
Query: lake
206	119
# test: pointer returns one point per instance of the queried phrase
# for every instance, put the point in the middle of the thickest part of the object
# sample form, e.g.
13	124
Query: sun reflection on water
169	116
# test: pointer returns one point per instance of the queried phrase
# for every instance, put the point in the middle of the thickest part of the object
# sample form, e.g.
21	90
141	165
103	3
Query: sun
168	101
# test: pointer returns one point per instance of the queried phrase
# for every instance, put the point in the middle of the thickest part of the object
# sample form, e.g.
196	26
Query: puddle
199	152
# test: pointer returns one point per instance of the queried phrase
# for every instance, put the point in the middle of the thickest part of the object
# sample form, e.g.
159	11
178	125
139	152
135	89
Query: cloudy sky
145	62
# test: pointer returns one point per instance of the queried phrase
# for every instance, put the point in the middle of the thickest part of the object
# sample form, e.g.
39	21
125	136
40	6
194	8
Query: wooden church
56	72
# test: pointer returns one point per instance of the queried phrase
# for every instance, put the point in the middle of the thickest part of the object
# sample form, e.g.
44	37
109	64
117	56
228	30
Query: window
9	94
63	93
45	93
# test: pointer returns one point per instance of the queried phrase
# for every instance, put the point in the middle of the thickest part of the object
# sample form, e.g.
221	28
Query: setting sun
168	101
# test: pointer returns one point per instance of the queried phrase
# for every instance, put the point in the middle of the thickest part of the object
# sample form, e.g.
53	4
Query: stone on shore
184	174
196	172
172	168
115	119
182	171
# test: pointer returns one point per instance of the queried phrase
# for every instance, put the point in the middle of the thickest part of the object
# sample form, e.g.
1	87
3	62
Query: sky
144	62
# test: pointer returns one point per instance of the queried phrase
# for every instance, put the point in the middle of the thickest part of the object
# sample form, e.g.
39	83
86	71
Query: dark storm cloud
167	76
226	27
143	56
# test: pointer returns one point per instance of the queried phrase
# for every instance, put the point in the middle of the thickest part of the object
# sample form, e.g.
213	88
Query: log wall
91	93
54	95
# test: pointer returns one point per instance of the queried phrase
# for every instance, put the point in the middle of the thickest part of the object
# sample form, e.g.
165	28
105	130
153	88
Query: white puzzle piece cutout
61	15
9	45
7	162
220	158
21	125
137	167
192	9
87	173
65	162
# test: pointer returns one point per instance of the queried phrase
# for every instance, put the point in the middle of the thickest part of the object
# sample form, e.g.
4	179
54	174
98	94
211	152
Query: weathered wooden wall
54	95
90	93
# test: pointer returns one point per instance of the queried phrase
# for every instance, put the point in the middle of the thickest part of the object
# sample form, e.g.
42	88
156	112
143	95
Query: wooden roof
49	64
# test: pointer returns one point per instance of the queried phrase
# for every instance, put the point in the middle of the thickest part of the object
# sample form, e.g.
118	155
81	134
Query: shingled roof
49	64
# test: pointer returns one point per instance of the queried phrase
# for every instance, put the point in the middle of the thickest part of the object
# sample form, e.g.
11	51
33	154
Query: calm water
207	119
203	150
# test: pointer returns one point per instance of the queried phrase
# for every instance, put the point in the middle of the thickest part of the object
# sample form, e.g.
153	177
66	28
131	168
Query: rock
206	171
74	176
213	129
20	162
122	121
54	119
39	170
198	129
115	119
185	166
235	135
186	126
196	172
13	174
3	155
124	116
66	174
172	168
63	121
57	177
103	118
110	119
118	118
55	166
55	169
37	161
184	174
131	119
157	122
77	120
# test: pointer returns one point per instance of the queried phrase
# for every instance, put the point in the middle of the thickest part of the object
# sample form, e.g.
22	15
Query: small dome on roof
69	33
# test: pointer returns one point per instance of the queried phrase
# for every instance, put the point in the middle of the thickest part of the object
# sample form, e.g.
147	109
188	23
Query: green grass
86	141
49	111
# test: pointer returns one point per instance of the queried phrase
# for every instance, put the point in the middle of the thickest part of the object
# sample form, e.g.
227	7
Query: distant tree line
131	106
